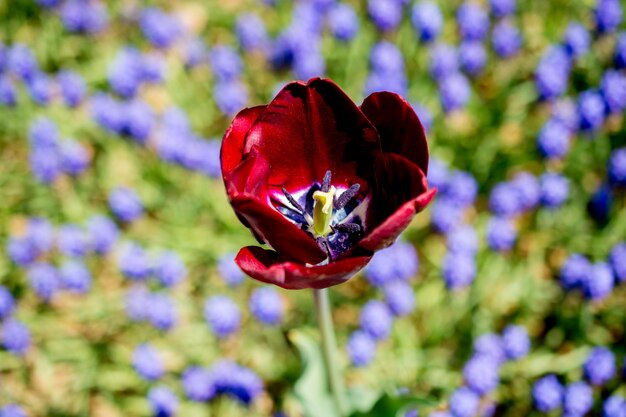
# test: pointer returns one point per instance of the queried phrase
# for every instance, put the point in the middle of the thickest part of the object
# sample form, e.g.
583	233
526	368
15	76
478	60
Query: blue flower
134	263
548	393
528	190
251	32
461	188
577	39
599	205
481	374
103	233
504	200
169	269
425	117
163	401
309	64
599	283
125	204
12	410
44	280
376	320
386	58
554	139
161	311
267	305
361	348
577	399
398	262
614	406
464	402
565	111
620	51
161	29
399	297
455	92
506	39
473	57
591	108
501	234
72	87
8	92
437	174
515	341
343	22
386	14
7	302
236	381
613	87
138	120
230	96
446	215
427	20
608	15
617	167
443	61
195	53
459	270
229	271
74	157
21	250
198	384
472	20
84	17
574	271
147	362
72	240
22	62
75	276
222	315
226	63
502	8
15	337
617	259
554	189
490	345
125	72
552	72
599	367
137	302
39	88
152	68
108	113
463	239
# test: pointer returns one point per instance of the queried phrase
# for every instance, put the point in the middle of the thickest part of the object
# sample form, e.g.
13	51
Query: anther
326	181
347	227
346	196
297	206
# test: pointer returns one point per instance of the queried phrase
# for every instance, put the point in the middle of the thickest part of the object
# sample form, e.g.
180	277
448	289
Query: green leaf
311	389
394	406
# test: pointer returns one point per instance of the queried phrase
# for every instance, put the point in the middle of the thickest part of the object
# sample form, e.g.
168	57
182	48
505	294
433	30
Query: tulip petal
309	129
233	141
278	232
400	192
267	266
400	130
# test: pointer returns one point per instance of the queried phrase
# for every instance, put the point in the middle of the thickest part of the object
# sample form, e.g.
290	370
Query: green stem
329	350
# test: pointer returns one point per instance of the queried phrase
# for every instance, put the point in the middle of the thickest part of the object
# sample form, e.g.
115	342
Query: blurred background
119	295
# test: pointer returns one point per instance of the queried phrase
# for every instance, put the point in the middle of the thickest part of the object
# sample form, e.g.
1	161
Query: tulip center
333	216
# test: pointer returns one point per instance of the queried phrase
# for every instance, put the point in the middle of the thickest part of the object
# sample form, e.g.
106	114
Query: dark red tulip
322	181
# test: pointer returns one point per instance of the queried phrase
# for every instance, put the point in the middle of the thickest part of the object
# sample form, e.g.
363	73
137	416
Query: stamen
346	196
347	227
297	206
326	181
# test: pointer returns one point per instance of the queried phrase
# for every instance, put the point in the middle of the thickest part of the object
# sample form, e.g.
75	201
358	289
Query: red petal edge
388	231
266	266
400	129
231	152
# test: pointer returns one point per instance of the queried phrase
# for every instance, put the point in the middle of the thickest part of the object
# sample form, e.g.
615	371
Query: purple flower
309	64
617	259
599	205
424	115
75	276
528	190
617	167
620	51
251	32
481	374
554	189
222	315
446	215
103	233
614	406
21	250
599	366
565	111
72	240
21	62
161	311
386	58
229	271
163	401
195	53
134	263
39	88
599	283
236	381
267	305
501	234
343	22
72	87
515	341
13	410
153	68
8	92
472	20
554	139
459	270
125	72
490	345
577	39
198	384
84	17
161	29
608	15
147	362
502	8
15	337
437	174
125	204
455	92
398	262
461	188
386	14
399	297
376	319
575	271
138	120
552	73
427	20
591	108
613	88
577	399
464	402
74	157
226	63
7	302
548	393
473	57
463	239
43	278
504	200
361	348
506	39
137	303
230	96
169	269
107	112
443	61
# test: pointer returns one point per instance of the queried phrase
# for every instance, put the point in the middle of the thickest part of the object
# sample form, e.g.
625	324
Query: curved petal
231	152
400	130
266	266
278	232
388	231
400	191
311	128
